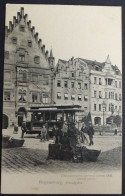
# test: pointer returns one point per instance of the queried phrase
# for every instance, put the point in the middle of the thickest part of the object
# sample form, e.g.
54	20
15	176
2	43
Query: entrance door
97	121
20	120
4	121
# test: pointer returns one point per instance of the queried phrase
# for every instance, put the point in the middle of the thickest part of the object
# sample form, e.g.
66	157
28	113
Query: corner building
27	71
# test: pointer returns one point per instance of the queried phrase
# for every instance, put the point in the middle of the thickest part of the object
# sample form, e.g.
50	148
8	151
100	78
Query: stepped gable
18	20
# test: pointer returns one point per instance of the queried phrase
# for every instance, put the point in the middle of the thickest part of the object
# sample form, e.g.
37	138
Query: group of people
65	130
68	130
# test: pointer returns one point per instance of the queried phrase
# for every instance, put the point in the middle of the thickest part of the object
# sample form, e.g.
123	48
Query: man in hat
90	133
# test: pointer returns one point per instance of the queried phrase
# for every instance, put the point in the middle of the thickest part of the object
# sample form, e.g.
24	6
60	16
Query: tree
117	120
87	118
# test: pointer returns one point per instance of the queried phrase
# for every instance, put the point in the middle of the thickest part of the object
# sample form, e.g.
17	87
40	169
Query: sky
90	32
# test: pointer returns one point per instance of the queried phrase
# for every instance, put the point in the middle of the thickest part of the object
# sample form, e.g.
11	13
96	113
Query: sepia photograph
62	100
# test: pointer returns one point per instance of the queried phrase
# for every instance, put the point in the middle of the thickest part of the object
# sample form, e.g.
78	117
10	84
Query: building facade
71	84
95	86
28	69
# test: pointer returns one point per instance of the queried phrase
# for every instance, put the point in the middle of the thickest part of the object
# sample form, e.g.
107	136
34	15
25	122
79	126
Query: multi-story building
27	71
96	86
71	84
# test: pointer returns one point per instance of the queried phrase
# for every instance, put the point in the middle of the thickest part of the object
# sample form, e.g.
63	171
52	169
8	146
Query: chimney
26	18
10	26
18	16
43	49
29	23
36	37
40	43
22	12
14	21
46	54
6	31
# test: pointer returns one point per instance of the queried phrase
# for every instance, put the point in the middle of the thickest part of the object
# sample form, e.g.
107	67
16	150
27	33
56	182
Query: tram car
50	116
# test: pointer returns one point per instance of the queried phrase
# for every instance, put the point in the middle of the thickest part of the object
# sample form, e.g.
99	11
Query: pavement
32	157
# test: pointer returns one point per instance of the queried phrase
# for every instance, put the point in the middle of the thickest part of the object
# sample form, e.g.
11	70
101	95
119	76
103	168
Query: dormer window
14	40
37	59
22	28
29	43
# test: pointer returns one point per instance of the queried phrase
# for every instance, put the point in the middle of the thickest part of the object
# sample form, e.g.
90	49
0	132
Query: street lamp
104	108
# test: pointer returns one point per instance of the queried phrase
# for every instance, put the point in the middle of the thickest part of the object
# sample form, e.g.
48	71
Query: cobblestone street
32	157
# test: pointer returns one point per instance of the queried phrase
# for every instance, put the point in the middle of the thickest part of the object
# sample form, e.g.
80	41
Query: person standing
90	133
84	133
43	133
23	128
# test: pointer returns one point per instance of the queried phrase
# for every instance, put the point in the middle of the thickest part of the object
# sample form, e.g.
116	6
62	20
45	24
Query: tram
51	115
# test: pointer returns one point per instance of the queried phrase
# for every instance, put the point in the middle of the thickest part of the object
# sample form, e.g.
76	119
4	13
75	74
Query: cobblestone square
32	157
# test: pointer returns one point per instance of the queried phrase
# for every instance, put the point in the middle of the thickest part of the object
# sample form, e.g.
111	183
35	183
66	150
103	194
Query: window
59	95
6	96
99	107
95	80
86	86
22	95
7	76
109	95
73	74
79	97
72	97
94	107
109	107
120	84
22	28
34	97
115	96
120	97
94	94
66	96
37	59
116	108
120	108
86	98
112	95
58	83
100	95
108	81
106	95
65	84
79	85
115	83
6	54
29	42
34	77
14	40
45	98
22	76
100	82
72	85
21	57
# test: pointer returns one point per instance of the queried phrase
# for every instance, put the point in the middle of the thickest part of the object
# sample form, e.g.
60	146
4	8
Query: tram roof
56	110
56	107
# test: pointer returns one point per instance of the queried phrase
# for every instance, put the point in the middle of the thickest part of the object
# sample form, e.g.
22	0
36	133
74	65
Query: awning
66	95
